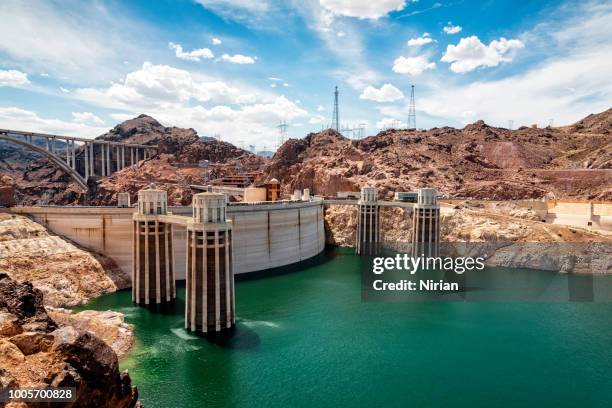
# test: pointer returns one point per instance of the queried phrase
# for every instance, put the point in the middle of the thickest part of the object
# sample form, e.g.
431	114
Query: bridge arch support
55	159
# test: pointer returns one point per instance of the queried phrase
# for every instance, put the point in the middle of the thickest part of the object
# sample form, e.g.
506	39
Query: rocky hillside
505	234
40	182
65	273
478	161
37	352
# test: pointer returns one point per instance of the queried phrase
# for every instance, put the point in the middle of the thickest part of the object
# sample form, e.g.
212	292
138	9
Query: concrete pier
152	263
426	224
209	305
368	224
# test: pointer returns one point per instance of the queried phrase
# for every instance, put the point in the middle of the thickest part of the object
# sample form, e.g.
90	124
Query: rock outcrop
36	352
66	274
507	234
38	181
478	161
108	325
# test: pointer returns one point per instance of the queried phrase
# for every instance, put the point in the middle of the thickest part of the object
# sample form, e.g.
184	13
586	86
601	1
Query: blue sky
236	68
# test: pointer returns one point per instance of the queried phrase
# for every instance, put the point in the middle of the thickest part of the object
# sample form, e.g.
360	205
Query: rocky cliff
37	352
507	234
65	273
478	161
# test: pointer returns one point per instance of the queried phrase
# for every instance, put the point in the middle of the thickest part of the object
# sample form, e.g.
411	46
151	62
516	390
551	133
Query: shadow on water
327	255
174	307
238	337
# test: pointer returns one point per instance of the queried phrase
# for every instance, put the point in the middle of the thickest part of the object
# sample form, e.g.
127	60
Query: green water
305	339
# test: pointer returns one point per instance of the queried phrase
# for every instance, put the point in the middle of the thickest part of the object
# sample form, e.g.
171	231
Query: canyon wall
509	235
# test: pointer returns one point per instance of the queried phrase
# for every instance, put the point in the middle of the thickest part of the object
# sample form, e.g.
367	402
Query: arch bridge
79	157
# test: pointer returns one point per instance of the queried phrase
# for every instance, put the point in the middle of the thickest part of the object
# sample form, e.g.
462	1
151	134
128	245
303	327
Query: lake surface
305	338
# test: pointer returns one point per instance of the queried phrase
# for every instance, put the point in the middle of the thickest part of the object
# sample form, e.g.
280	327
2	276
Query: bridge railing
97	156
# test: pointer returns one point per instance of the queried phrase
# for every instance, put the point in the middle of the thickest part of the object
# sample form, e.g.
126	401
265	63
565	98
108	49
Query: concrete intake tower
426	224
209	305
152	263
368	231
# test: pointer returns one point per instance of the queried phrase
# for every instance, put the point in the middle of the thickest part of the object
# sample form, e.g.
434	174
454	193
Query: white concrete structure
368	231
254	194
306	195
426	224
123	200
266	235
152	264
209	305
348	194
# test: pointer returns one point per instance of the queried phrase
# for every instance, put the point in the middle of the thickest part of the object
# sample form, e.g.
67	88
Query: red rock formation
34	352
478	161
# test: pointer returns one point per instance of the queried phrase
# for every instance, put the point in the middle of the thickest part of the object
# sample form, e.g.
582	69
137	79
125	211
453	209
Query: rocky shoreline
36	351
66	274
514	239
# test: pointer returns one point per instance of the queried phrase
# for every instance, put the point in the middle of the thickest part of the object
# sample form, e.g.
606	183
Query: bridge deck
20	133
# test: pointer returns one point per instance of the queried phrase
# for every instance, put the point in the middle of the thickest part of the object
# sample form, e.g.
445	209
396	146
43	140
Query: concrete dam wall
265	235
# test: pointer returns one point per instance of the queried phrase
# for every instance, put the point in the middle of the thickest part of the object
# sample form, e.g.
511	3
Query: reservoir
304	338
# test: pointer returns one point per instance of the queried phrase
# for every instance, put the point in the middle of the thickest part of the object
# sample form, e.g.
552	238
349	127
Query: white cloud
86	118
13	77
274	79
419	41
470	53
320	108
159	85
64	90
363	9
451	29
260	119
16	118
216	41
121	117
316	119
534	96
359	77
412	65
247	5
285	84
386	93
195	55
238	59
181	98
390	123
86	43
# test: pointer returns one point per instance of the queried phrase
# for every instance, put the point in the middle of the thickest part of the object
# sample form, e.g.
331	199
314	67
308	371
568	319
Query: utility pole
411	110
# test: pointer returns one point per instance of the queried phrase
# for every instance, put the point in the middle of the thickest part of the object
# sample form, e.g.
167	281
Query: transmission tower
282	133
335	115
411	110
